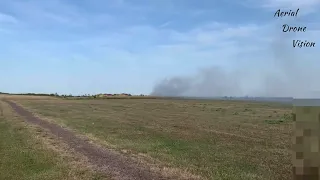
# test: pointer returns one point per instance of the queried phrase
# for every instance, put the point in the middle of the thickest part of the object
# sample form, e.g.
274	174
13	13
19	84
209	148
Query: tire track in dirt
114	164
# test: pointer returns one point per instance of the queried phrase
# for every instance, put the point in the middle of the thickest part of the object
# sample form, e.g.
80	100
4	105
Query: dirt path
115	164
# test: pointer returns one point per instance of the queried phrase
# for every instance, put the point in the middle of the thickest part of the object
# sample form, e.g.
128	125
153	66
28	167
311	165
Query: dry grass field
217	140
30	153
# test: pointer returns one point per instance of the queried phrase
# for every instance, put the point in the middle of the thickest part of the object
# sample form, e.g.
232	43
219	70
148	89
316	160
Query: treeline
33	94
37	94
56	94
70	96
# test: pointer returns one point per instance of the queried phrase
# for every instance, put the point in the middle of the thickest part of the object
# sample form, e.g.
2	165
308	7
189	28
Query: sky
162	47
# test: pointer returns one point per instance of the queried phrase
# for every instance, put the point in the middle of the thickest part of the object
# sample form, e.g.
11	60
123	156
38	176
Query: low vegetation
214	139
28	152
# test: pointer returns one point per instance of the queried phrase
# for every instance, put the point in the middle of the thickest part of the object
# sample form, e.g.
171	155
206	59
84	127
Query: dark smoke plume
294	75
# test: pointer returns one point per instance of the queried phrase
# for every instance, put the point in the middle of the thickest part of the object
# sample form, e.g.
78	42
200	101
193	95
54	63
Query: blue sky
115	46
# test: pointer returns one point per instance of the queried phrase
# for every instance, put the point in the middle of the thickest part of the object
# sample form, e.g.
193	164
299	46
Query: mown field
214	139
29	153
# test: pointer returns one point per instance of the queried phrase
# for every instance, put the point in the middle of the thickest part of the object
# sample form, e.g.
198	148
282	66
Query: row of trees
57	95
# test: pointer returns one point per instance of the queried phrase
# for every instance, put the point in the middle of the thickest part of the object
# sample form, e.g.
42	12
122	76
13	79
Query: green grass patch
285	118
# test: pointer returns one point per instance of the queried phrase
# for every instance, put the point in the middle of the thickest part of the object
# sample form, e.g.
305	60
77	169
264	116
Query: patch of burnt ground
112	163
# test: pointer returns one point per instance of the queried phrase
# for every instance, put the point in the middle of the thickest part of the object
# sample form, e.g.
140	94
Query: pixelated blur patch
299	155
299	140
306	102
311	170
306	117
306	110
307	132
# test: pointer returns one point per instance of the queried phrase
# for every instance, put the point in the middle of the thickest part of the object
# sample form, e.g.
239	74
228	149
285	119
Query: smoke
213	81
294	75
291	81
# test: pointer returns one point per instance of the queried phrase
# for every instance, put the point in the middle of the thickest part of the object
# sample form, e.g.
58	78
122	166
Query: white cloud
306	6
165	24
39	13
6	18
290	3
